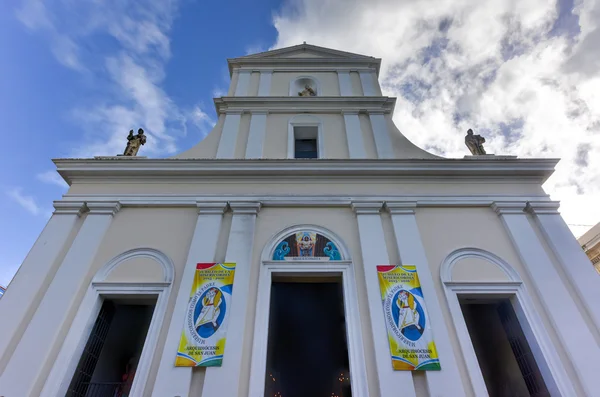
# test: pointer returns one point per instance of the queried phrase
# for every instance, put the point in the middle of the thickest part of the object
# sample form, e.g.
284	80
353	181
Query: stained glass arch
307	243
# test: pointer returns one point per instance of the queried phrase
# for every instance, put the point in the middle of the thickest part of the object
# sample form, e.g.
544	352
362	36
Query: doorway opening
109	360
507	363
307	352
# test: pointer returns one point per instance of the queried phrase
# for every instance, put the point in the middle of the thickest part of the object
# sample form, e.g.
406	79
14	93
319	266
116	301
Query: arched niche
136	266
305	242
299	84
476	265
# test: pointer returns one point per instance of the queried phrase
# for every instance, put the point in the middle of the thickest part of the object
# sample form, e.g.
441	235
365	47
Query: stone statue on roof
134	142
475	143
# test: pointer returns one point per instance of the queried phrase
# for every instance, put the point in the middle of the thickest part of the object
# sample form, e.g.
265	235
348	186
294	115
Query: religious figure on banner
409	316
475	143
308	91
134	142
210	308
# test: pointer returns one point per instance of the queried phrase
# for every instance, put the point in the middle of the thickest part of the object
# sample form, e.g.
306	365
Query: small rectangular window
306	149
306	142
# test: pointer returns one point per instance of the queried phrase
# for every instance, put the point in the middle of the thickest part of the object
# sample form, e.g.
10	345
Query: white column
345	82
446	382
264	85
572	258
225	380
372	243
368	84
578	341
229	135
243	83
356	146
256	136
41	335
381	135
33	274
174	381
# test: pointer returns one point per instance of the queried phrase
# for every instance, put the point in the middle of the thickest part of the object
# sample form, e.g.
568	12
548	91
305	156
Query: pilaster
256	136
354	136
345	82
368	84
374	252
381	134
575	263
172	380
225	380
60	299
243	83
410	246
229	135
35	271
264	85
582	349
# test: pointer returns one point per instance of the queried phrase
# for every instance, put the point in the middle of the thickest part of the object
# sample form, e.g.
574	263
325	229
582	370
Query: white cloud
53	178
203	122
495	66
25	201
129	74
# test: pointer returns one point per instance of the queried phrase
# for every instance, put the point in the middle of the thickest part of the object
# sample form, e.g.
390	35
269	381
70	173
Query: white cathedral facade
307	188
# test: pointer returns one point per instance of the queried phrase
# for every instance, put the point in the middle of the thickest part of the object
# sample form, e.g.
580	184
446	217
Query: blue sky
40	96
77	75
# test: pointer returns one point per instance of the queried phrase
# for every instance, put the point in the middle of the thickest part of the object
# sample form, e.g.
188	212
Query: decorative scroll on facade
409	334
306	245
203	338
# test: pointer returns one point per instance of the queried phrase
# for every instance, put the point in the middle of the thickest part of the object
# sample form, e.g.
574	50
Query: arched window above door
306	243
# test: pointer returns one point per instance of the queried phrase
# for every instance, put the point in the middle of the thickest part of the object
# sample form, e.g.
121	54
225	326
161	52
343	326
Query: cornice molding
116	170
245	207
325	63
211	207
543	207
103	207
509	207
69	208
294	104
367	207
401	207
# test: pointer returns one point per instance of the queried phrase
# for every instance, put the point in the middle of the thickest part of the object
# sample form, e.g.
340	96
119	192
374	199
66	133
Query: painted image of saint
411	319
210	314
306	243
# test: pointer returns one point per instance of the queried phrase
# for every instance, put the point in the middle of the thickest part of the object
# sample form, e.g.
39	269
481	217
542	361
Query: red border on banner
203	266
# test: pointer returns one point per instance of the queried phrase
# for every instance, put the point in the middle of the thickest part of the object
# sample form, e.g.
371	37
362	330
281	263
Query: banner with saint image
407	323
203	338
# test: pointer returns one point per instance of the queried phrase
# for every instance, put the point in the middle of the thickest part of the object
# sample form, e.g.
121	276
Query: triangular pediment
305	51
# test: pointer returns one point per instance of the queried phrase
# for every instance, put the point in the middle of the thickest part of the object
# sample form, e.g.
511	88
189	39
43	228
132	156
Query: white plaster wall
444	230
168	230
340	221
334	136
328	82
276	185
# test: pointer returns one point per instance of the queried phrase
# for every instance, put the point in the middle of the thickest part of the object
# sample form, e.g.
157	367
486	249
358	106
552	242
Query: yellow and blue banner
407	323
203	338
